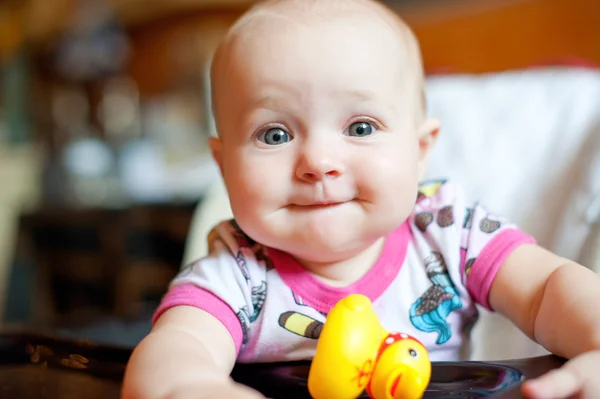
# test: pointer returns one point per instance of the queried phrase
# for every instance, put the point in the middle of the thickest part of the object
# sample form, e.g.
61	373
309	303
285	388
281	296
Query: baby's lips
319	202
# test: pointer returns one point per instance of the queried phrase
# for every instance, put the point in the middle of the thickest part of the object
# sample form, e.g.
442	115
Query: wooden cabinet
98	263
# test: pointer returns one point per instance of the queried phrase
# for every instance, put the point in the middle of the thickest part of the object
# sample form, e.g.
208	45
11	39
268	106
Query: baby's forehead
269	19
316	12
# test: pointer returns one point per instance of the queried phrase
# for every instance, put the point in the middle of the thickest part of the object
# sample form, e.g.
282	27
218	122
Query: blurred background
103	125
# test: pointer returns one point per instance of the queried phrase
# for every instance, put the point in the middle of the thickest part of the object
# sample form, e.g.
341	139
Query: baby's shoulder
228	236
229	232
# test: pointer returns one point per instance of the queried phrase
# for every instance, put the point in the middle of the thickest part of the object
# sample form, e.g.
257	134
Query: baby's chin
324	242
334	249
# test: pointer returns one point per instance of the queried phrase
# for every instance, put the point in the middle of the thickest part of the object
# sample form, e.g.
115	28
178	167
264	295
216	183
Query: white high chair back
527	146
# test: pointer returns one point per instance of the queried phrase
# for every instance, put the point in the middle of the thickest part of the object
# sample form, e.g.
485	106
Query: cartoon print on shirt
488	225
242	315
248	246
242	242
240	258
468	267
428	188
468	221
262	256
301	324
299	301
259	295
430	311
445	217
423	220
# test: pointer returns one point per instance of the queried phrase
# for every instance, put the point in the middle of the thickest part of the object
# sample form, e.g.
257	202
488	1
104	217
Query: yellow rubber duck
355	353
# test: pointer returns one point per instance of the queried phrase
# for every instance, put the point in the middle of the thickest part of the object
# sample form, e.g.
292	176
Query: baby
323	145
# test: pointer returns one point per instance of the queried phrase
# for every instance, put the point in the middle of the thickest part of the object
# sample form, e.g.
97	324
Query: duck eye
412	352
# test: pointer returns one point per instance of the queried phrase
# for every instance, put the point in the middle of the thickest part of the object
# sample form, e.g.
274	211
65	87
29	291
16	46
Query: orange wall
466	37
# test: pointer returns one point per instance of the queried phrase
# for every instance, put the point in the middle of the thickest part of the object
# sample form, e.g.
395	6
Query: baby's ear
216	144
427	135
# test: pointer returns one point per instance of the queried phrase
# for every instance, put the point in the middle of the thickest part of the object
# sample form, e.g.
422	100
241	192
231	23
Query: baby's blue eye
361	129
274	136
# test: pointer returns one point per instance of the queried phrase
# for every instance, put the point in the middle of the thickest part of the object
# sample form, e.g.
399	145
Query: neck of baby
347	271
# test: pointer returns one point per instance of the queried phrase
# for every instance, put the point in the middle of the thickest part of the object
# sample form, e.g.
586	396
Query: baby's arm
555	302
188	354
551	299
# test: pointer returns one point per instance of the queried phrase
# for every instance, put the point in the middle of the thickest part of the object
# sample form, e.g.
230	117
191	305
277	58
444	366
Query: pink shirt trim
323	297
490	260
191	295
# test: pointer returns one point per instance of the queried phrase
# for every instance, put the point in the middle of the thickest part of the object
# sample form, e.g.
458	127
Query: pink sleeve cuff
490	260
191	295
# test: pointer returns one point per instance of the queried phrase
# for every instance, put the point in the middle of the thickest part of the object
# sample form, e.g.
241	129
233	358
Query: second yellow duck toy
355	353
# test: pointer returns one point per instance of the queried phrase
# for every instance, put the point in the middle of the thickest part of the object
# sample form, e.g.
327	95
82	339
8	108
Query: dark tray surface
41	366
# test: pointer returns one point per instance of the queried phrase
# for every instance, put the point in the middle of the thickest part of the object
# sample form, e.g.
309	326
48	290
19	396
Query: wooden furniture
457	36
99	263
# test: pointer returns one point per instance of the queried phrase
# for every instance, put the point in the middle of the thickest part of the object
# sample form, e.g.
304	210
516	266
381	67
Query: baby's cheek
390	170
264	185
257	190
392	185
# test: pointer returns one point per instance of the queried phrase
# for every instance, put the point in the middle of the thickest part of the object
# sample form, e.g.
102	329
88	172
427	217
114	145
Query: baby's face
319	146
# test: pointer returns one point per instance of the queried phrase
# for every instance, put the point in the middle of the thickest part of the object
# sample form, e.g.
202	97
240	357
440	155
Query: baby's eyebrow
369	98
264	101
361	95
267	101
272	96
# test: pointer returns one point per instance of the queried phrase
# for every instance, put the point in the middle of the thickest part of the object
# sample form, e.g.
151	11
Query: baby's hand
217	389
577	378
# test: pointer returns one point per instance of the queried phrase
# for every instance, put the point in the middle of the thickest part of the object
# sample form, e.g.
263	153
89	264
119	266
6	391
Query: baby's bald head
320	101
265	18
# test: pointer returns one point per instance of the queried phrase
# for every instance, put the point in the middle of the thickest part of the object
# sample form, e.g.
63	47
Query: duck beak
405	383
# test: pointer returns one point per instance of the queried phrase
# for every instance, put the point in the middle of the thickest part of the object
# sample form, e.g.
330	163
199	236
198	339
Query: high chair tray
37	366
34	366
460	380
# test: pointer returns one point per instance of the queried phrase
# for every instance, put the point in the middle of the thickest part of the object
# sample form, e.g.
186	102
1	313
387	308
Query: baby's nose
319	165
318	175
